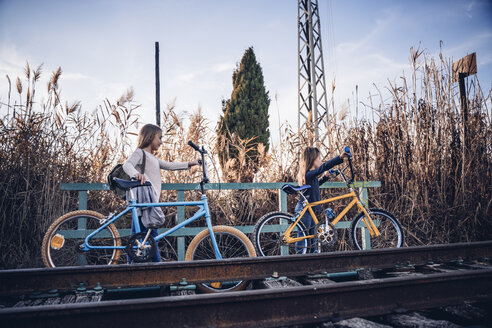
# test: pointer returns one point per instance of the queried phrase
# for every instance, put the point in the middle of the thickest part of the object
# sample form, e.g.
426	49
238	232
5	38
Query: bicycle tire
68	253
392	235
268	243
231	242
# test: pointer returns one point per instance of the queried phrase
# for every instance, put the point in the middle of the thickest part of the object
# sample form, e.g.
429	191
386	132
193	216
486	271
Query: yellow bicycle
280	233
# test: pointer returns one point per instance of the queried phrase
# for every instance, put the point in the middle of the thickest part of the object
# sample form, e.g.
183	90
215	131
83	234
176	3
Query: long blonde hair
146	135
307	161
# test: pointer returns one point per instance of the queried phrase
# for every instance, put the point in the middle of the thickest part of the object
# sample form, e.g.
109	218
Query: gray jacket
152	217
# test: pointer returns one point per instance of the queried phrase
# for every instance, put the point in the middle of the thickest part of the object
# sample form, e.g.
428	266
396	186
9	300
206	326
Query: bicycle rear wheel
231	242
389	227
63	238
269	231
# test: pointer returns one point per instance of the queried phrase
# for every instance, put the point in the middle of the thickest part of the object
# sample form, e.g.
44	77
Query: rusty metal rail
265	308
16	282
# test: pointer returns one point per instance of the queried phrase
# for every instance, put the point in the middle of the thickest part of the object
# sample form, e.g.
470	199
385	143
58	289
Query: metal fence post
282	201
364	198
82	199
282	207
82	223
181	217
366	236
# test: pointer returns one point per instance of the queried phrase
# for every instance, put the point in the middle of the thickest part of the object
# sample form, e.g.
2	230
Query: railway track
16	282
406	278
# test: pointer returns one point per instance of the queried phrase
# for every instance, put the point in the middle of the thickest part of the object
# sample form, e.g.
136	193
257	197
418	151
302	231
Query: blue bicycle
89	238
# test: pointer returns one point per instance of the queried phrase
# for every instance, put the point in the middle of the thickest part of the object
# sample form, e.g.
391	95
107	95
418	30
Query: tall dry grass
438	184
413	142
44	144
409	138
440	189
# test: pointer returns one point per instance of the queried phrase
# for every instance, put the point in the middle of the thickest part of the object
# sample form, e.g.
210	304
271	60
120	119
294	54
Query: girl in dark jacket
310	168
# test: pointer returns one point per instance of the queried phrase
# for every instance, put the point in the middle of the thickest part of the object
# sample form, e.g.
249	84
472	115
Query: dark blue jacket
312	194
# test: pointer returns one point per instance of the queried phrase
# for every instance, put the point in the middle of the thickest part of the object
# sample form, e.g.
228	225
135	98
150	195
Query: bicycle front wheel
63	238
231	243
391	232
269	232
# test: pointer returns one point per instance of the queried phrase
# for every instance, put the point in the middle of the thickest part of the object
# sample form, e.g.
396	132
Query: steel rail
17	282
266	308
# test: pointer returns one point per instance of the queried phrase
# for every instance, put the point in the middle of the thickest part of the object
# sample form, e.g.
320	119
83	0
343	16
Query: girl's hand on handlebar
344	155
193	163
330	174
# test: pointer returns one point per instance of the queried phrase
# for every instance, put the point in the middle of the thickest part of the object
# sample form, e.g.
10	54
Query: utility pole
312	99
157	87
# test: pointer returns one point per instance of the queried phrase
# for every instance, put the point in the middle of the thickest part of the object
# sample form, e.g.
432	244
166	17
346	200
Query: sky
106	47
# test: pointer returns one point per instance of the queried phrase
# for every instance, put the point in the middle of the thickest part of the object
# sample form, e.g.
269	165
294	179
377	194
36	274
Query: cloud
381	27
226	66
366	68
484	59
75	76
186	77
11	62
385	63
469	8
203	75
477	42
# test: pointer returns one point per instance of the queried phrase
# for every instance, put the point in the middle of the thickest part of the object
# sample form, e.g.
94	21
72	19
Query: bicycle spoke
168	248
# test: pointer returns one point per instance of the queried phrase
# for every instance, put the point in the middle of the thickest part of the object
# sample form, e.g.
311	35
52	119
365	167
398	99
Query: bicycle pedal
57	241
216	284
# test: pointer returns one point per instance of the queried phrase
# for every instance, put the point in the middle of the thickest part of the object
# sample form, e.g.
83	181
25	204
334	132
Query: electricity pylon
312	98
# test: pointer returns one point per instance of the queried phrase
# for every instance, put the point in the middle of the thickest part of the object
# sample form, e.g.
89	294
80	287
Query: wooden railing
180	188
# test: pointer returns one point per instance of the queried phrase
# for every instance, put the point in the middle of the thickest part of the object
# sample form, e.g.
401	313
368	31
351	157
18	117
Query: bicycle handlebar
347	150
202	152
336	172
191	144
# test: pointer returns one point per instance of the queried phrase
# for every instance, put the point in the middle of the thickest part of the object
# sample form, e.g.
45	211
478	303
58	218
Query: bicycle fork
373	230
218	256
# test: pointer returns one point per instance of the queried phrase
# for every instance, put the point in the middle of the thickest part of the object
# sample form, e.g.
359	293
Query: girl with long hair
149	141
310	168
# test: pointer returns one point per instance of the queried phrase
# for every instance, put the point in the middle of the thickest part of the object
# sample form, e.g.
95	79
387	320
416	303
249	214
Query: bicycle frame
202	211
373	230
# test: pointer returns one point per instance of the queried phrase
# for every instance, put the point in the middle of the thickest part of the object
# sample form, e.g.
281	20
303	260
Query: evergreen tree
245	114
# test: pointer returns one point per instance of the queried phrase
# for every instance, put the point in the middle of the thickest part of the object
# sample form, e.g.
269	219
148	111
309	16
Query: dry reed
40	149
413	143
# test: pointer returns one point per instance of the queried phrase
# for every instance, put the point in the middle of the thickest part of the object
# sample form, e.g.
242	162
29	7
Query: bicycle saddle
290	189
127	184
